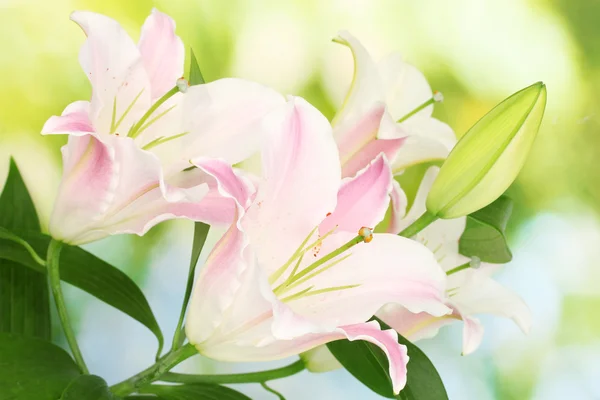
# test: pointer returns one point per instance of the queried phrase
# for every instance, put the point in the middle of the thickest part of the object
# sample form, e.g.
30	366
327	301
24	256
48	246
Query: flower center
297	277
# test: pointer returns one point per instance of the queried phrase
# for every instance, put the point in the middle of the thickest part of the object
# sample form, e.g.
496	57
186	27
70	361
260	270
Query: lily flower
126	164
291	273
471	288
388	109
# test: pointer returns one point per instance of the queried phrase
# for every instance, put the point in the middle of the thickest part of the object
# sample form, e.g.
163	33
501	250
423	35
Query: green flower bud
488	158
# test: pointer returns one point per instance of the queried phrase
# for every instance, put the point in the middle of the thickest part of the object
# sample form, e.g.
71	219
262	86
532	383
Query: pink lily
471	291
127	158
388	109
281	281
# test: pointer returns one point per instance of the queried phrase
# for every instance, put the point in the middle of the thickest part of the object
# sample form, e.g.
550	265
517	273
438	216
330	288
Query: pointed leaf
88	273
196	77
484	235
487	159
195	391
367	363
33	369
88	387
24	295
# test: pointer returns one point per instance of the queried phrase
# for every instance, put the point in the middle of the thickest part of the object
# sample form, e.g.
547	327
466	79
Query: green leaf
24	295
33	369
88	387
367	363
195	391
488	158
90	274
196	77
484	235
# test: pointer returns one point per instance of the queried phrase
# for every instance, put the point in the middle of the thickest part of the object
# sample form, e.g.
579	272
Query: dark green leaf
484	235
369	365
87	387
204	391
24	295
89	273
196	77
33	369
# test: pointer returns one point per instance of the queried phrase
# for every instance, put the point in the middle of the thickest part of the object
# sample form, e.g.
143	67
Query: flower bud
487	159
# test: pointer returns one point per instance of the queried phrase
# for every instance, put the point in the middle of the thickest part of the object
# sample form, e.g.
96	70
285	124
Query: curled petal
162	52
113	64
74	120
363	199
398	203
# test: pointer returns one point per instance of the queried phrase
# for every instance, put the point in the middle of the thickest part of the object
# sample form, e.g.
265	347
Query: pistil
437	98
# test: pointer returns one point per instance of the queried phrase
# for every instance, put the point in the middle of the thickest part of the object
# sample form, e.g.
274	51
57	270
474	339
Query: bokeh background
476	52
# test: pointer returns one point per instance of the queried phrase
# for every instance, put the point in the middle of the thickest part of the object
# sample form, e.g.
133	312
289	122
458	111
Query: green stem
252	377
154	372
135	129
271	390
459	268
416	110
54	275
200	234
421	223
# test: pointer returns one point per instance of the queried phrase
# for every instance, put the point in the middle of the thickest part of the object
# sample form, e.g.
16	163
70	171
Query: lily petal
162	51
398	203
74	120
362	200
301	176
114	66
390	269
406	87
110	186
366	88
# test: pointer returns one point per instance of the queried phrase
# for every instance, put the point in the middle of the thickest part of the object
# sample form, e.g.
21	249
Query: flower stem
421	223
154	372
54	275
200	234
252	377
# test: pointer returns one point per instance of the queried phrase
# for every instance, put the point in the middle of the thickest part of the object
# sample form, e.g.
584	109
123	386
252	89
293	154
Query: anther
182	84
366	233
475	262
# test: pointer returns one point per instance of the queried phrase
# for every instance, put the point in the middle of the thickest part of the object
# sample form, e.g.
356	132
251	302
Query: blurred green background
476	52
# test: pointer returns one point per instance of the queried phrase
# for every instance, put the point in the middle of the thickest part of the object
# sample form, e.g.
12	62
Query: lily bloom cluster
312	251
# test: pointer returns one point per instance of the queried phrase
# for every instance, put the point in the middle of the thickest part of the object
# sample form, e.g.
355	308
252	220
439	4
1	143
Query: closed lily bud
488	158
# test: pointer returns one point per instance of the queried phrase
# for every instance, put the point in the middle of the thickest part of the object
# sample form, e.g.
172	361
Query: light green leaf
87	387
196	77
195	391
484	235
488	158
33	369
88	273
367	363
24	296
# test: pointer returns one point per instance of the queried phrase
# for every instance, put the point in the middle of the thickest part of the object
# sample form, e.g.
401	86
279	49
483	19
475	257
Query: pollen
366	233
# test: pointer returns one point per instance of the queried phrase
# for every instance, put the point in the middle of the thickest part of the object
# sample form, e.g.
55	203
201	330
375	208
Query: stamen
282	288
114	126
437	97
162	140
153	120
277	274
296	295
292	284
135	129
